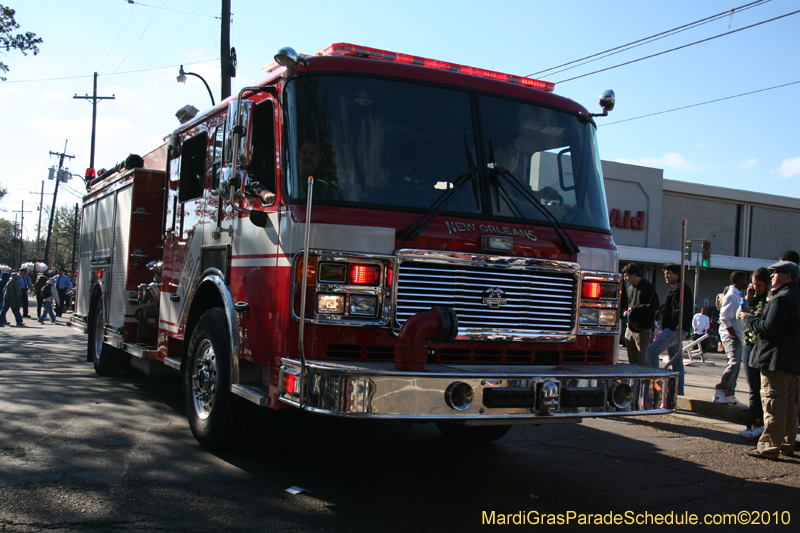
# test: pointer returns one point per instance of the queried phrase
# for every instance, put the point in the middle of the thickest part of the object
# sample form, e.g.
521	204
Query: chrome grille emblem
493	297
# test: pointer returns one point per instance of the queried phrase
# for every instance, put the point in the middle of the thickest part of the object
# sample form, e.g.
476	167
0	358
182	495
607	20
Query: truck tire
107	360
472	434
210	405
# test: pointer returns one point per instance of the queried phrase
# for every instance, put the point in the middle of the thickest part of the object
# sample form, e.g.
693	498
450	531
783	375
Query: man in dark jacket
670	338
777	355
12	299
641	313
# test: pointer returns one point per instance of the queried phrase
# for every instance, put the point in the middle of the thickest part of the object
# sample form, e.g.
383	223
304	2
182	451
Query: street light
182	79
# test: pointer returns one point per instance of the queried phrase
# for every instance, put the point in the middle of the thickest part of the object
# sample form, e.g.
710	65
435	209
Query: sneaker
733	401
787	450
719	397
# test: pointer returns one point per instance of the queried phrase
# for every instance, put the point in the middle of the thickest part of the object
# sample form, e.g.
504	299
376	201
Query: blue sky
748	143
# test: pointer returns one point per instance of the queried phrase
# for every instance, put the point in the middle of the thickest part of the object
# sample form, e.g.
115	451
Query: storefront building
746	229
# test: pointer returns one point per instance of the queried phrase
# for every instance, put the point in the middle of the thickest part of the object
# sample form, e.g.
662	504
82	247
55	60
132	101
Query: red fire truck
368	234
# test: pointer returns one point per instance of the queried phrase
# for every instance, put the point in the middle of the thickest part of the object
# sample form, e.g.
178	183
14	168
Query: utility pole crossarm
94	98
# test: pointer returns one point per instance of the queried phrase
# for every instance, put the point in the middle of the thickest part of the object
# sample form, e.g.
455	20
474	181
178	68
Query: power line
119	34
680	47
647	40
702	103
168	43
149	23
111	74
175	10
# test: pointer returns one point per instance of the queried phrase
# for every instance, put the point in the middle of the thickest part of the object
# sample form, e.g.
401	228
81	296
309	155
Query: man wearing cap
777	355
25	285
12	299
63	285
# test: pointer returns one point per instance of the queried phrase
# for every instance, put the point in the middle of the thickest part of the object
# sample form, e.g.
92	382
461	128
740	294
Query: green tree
8	244
63	237
24	42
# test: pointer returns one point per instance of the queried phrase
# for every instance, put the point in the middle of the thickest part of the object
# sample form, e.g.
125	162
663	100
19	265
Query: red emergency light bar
345	49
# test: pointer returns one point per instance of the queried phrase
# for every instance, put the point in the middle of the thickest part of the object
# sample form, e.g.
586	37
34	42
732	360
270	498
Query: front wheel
210	405
472	433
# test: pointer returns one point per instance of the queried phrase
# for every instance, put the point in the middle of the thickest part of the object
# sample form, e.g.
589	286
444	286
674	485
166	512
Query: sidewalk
699	385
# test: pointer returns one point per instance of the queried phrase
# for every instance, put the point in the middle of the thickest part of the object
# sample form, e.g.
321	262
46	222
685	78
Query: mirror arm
237	132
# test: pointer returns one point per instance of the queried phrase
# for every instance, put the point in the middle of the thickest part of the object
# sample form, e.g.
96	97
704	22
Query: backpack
721	298
47	292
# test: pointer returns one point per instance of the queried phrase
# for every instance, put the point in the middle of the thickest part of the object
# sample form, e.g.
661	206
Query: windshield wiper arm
569	245
417	227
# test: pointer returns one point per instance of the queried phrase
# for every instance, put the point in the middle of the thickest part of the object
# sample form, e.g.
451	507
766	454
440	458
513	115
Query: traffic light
687	251
706	260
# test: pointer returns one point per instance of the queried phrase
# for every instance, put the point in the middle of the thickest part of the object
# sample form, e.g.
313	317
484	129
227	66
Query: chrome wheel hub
204	379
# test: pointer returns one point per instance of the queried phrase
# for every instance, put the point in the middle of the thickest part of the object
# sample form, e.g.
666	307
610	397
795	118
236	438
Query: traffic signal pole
61	155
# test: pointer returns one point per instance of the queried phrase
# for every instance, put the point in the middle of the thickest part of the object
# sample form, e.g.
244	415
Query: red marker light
365	274
290	383
590	290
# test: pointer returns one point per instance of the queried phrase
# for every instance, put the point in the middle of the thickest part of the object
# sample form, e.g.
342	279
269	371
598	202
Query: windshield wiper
419	225
569	245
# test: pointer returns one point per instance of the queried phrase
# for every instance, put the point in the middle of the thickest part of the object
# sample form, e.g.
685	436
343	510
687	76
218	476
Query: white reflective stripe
261	262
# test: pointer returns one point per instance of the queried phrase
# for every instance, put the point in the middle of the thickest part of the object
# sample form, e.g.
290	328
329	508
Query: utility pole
225	49
21	230
94	98
61	155
74	239
39	227
13	248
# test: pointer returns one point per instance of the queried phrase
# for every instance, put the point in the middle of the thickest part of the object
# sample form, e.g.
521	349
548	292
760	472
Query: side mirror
259	218
607	101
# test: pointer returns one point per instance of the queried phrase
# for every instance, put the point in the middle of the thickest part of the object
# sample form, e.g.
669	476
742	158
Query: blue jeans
733	349
48	310
14	309
754	381
669	340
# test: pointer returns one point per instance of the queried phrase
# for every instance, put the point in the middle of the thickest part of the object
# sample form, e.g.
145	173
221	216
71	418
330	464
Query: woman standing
757	296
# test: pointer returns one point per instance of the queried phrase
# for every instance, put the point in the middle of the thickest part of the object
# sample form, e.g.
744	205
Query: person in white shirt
731	332
700	324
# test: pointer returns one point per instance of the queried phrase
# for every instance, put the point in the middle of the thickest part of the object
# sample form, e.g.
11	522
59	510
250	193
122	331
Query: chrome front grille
524	298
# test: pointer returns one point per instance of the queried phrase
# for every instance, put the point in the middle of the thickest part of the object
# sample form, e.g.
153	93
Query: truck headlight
607	317
589	316
330	304
363	305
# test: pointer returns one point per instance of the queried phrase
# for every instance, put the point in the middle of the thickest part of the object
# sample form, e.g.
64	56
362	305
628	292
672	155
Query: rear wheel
464	433
107	361
210	405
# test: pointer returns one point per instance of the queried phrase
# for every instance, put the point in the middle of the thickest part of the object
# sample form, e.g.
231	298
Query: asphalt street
79	452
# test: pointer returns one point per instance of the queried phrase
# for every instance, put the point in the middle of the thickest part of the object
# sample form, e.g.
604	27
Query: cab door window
193	167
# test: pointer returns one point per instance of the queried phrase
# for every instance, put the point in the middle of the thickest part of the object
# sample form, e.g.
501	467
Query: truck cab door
185	214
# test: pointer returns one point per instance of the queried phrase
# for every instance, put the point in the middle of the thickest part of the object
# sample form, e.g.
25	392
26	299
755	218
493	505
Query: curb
729	413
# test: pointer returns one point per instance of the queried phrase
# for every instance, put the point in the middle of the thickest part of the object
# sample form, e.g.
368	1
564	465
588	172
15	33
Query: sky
748	143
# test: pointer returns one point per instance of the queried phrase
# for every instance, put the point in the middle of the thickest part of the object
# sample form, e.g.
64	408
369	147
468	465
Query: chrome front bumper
500	394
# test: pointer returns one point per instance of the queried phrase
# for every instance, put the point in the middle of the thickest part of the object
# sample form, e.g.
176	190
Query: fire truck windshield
387	144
